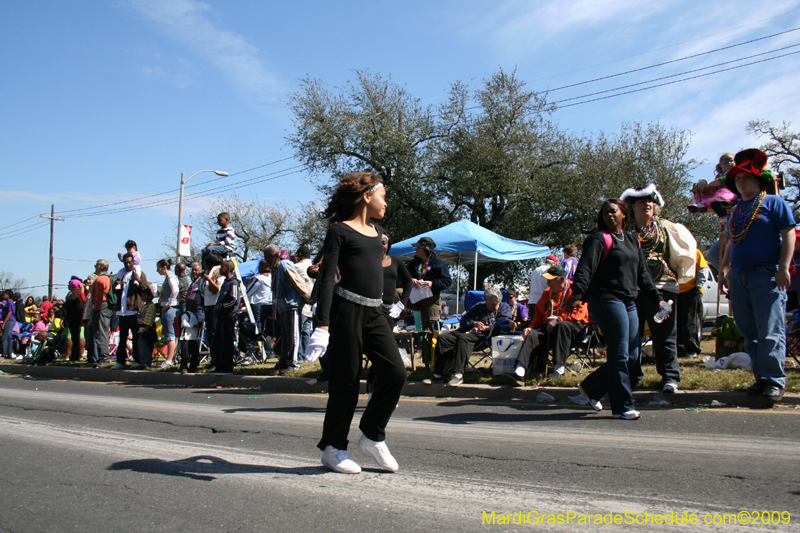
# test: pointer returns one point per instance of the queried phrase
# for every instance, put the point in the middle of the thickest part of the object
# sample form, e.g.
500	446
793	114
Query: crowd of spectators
636	270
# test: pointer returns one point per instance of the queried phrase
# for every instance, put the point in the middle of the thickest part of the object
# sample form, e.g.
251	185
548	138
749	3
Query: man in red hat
756	270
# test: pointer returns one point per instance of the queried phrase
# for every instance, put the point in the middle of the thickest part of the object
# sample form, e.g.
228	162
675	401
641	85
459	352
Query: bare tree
9	283
256	225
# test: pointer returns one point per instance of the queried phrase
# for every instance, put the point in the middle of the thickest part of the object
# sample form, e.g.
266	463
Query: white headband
372	190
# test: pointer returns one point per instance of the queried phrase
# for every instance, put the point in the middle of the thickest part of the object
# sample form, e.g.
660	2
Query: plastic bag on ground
734	360
544	397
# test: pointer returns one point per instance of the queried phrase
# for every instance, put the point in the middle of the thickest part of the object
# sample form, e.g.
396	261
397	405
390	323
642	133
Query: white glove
396	309
317	345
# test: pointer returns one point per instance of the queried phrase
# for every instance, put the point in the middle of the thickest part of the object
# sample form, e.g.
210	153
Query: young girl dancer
351	311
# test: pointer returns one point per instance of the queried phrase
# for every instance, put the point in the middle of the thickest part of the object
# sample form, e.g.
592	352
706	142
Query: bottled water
663	312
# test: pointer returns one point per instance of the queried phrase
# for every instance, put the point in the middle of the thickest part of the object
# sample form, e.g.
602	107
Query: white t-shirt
189	326
210	298
538	284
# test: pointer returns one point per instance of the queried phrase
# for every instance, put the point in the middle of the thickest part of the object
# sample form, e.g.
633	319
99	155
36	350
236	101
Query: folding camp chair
586	347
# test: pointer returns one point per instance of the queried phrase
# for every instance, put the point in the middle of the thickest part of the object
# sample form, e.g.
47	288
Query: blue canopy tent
466	243
248	269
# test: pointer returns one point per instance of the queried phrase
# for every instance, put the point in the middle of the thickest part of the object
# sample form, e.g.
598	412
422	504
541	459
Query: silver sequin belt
357	298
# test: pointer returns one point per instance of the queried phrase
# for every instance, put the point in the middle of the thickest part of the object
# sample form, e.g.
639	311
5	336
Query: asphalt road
81	456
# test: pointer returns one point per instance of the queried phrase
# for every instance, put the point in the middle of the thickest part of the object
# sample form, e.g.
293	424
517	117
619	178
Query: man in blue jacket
492	316
428	272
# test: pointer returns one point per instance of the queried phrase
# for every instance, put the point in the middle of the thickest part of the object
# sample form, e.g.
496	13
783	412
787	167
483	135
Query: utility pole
52	218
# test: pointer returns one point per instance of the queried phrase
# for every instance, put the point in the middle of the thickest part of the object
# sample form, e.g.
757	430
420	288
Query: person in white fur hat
671	252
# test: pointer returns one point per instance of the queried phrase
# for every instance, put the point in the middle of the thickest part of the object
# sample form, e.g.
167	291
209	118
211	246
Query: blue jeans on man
619	323
759	309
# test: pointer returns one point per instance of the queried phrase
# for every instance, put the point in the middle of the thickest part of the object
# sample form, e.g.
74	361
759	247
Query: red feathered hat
751	161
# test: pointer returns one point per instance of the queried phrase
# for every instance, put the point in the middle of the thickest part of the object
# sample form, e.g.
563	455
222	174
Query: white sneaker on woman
167	364
339	461
595	404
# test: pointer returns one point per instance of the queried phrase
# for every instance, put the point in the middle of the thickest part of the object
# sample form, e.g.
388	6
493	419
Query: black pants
663	335
147	341
211	328
540	341
357	330
128	325
289	319
74	325
458	345
690	312
190	354
224	339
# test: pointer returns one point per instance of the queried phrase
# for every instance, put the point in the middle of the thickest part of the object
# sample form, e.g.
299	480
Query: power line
199	194
20	222
673	61
33	228
171	191
679	74
678	81
727	30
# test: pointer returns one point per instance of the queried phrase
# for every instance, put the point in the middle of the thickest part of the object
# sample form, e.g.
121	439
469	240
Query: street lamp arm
180	207
217	172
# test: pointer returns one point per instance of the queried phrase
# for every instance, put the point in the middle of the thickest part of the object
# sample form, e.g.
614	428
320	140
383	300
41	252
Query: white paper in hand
420	294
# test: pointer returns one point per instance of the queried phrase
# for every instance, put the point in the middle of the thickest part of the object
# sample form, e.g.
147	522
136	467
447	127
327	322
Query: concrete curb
412	388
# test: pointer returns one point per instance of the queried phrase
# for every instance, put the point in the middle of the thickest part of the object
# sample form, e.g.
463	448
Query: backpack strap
608	240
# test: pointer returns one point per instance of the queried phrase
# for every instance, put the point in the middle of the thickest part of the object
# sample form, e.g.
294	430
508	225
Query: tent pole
475	279
458	285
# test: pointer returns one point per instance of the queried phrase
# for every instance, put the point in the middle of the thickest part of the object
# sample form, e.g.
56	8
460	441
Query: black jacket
438	272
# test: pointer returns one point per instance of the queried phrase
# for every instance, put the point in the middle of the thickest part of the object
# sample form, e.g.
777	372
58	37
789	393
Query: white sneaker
594	404
670	387
167	364
338	461
558	373
629	415
380	452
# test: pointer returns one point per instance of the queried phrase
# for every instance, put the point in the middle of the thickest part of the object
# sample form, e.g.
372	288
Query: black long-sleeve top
390	276
358	257
436	271
228	298
620	275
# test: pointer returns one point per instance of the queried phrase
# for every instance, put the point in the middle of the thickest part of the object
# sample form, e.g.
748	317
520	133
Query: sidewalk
412	388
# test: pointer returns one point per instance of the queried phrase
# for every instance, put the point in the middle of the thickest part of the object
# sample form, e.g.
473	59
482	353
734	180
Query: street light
180	207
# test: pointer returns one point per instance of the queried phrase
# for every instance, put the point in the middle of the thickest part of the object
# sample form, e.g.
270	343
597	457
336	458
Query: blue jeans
620	325
8	337
168	324
306	328
759	308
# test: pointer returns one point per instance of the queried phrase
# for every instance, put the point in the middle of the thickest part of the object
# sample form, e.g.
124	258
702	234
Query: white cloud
241	63
520	28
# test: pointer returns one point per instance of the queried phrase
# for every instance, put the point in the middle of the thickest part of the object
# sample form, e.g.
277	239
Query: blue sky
107	101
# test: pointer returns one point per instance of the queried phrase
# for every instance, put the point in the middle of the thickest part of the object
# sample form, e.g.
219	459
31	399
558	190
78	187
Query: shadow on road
201	467
294	409
466	418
